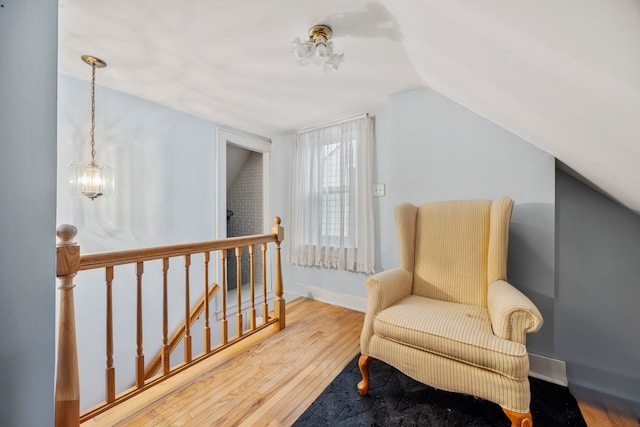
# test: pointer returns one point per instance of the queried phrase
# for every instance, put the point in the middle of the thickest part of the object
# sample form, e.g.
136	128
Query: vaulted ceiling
564	75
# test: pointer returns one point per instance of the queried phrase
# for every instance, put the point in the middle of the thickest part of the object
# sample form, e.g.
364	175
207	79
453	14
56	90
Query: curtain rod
333	122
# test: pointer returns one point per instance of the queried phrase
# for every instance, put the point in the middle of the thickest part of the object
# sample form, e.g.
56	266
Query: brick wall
244	199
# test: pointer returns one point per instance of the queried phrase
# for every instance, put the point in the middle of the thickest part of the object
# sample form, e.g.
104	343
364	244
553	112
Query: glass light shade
332	64
92	180
302	51
321	49
319	52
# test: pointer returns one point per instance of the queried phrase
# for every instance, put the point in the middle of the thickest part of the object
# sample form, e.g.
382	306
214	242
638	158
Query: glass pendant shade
92	180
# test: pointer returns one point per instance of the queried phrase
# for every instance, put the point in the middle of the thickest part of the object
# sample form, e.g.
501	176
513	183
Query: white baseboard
548	369
541	367
295	290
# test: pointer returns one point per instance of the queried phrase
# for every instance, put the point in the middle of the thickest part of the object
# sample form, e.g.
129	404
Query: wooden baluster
279	304
224	337
166	348
67	397
252	315
207	331
265	303
187	310
139	352
239	291
110	372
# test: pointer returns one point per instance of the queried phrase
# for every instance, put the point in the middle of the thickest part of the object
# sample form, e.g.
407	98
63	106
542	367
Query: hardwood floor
270	382
604	413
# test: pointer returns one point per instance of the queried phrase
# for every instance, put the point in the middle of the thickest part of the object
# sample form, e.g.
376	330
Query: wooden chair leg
519	420
363	364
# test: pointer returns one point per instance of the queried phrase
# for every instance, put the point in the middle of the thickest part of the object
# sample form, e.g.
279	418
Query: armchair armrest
512	314
387	287
383	289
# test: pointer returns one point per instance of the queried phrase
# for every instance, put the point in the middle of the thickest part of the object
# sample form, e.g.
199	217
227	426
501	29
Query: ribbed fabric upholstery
520	323
451	247
460	332
383	289
512	314
499	239
447	316
452	375
405	216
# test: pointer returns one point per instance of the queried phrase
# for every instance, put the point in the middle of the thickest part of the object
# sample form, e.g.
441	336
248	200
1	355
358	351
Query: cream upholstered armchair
447	317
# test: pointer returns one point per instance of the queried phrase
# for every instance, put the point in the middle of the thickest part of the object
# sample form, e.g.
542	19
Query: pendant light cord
93	112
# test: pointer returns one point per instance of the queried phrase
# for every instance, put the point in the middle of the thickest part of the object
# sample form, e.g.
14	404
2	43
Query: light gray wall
164	163
598	291
430	148
28	68
572	250
163	160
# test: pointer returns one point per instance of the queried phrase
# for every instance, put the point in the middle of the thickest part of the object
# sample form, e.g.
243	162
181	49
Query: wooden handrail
156	363
106	259
69	261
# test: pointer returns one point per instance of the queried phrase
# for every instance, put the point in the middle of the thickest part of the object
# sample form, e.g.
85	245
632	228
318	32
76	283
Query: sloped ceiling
565	75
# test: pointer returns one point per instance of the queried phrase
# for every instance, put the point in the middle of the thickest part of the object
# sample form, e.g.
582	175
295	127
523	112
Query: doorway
244	209
243	197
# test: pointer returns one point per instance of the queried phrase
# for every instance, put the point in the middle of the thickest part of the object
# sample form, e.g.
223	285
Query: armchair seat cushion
456	331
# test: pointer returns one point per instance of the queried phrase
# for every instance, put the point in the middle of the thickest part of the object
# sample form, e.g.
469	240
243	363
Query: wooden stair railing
69	262
163	356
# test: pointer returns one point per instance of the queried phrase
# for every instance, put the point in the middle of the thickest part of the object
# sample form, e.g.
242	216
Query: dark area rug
397	400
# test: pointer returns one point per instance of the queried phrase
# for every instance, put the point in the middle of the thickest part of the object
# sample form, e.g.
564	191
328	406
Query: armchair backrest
455	249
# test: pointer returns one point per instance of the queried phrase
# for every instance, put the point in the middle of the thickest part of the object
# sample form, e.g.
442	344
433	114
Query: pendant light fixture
318	49
89	178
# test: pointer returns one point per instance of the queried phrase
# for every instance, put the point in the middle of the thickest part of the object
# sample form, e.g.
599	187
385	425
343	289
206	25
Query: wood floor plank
620	416
256	384
272	379
594	415
305	387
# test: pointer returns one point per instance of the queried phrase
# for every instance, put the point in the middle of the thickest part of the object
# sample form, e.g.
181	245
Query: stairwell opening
244	210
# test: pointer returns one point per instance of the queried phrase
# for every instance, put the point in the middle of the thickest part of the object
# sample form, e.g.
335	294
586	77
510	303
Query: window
338	164
330	199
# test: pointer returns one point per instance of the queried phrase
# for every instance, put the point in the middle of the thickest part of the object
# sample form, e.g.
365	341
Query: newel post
67	397
279	301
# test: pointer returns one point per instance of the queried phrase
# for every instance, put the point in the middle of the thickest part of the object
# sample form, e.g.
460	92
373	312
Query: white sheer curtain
331	202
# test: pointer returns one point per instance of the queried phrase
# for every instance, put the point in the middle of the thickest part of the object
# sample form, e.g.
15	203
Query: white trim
232	307
295	290
548	369
246	139
221	181
254	143
332	122
250	142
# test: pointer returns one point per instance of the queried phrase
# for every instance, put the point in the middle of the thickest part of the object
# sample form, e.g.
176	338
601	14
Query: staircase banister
279	303
106	259
69	261
67	388
155	364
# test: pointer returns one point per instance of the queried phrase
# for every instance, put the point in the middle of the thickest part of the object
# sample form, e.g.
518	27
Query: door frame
224	136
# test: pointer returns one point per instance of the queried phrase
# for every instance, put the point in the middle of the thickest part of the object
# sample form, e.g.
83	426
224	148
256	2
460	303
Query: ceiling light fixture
318	49
89	178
